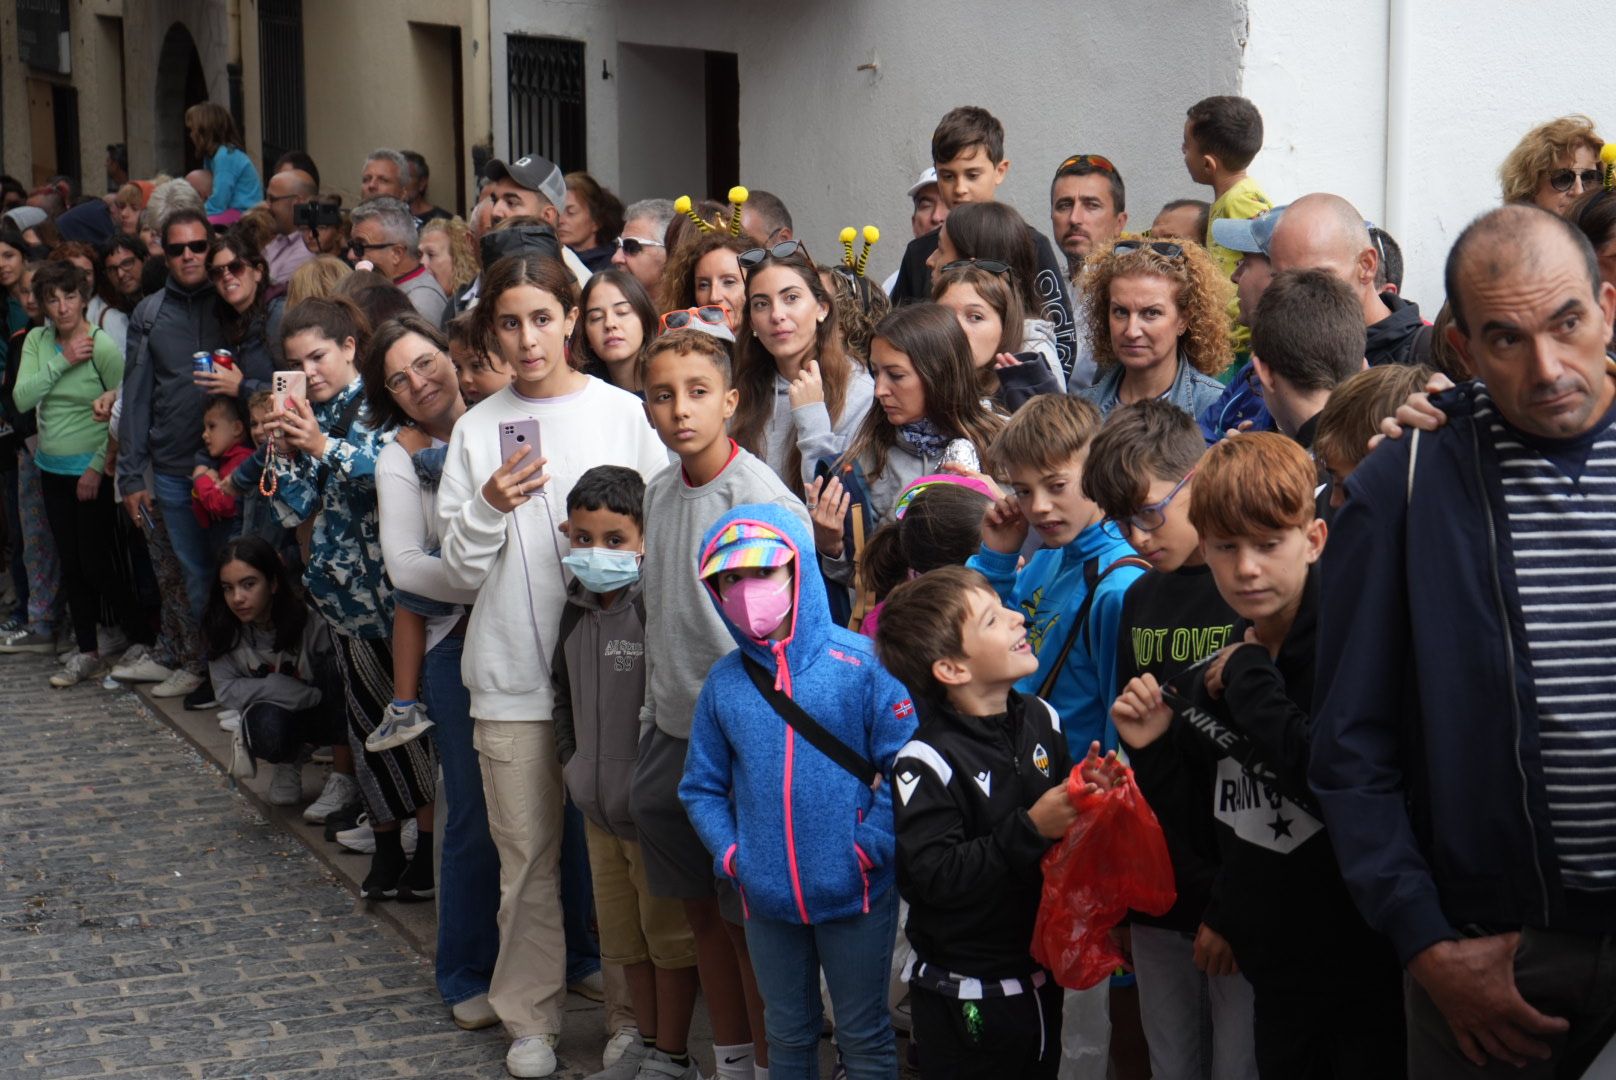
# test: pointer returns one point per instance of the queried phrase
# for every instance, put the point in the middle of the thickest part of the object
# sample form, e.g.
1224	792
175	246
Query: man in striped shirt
1465	747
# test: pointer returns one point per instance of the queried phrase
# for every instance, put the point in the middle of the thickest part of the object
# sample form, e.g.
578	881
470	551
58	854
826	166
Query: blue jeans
855	954
190	540
577	898
468	885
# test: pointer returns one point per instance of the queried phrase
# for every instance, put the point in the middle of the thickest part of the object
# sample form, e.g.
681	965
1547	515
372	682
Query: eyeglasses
711	314
421	367
1160	247
1080	161
633	245
359	247
1153	516
753	256
235	268
195	247
120	267
1562	179
992	266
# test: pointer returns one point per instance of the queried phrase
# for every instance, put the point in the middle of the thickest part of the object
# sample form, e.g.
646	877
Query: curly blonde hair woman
1158	322
1553	164
450	254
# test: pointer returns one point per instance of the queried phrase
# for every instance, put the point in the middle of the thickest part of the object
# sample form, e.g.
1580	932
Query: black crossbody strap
1093	575
806	726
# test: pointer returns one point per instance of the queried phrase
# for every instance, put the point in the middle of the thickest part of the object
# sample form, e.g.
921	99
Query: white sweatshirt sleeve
472	531
406	534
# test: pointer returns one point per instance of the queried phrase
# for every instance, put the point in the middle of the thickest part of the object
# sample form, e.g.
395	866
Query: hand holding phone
285	385
517	477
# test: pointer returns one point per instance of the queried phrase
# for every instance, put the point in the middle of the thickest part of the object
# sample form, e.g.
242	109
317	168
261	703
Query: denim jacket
1191	391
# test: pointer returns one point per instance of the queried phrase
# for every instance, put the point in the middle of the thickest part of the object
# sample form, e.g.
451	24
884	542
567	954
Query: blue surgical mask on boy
603	570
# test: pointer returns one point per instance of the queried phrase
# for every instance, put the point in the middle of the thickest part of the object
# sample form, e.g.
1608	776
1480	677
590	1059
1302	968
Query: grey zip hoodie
599	677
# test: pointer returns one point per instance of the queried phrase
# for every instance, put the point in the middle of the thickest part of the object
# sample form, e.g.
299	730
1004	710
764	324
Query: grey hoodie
599	677
240	679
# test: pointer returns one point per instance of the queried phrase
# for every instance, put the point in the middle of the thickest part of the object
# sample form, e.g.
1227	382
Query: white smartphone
285	385
515	434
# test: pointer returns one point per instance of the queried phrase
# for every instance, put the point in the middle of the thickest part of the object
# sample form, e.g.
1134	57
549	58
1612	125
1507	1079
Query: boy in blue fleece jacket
814	868
1041	451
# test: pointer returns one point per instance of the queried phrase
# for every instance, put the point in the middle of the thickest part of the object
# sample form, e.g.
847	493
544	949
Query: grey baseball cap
1250	235
534	173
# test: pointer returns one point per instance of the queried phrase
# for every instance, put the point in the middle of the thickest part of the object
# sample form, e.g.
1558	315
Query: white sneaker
622	1040
339	791
362	838
591	986
178	684
80	666
229	720
286	785
474	1013
139	665
532	1055
659	1066
242	765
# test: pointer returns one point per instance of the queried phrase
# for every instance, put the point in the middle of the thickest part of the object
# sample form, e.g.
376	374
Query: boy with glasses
1140	473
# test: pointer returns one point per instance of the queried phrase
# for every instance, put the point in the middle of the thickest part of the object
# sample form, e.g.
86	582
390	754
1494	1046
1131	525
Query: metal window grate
280	63
546	78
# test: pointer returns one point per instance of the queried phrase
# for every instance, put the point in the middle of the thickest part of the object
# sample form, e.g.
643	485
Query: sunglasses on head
1160	247
992	266
195	247
235	268
711	314
1562	179
753	256
633	245
1085	161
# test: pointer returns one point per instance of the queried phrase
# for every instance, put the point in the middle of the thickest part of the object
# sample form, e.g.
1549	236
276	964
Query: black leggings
83	532
277	734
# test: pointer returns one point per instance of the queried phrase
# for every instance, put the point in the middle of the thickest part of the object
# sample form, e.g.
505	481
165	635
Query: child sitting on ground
802	707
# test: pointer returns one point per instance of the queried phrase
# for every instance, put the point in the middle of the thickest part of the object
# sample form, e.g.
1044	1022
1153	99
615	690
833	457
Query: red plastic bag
1113	858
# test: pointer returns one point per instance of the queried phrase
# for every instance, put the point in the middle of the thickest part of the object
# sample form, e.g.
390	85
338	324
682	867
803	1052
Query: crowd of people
766	626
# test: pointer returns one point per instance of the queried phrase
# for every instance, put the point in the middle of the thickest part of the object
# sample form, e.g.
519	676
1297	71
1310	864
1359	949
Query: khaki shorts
634	926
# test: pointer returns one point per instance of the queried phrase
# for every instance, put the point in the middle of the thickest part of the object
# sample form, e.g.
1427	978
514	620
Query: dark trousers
90	575
1572	976
1346	1030
997	1038
277	734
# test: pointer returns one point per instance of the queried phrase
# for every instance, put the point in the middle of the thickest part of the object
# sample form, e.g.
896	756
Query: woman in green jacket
66	364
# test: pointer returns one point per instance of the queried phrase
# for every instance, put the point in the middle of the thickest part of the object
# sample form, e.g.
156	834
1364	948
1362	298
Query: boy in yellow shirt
1222	135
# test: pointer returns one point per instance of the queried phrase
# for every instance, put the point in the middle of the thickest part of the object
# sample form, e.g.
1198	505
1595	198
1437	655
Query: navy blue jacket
1425	754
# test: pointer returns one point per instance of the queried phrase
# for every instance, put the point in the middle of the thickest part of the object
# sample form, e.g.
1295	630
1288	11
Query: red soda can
224	358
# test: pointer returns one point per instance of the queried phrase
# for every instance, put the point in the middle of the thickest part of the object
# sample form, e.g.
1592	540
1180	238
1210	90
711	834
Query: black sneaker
343	819
416	884
202	697
387	866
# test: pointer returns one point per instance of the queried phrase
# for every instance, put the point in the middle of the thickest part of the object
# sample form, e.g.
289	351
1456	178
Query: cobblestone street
152	924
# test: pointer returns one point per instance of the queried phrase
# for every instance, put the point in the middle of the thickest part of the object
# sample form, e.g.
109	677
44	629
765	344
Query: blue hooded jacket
1049	590
804	840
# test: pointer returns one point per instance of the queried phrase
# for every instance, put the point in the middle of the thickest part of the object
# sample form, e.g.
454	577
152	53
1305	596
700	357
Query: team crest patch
904	709
1040	758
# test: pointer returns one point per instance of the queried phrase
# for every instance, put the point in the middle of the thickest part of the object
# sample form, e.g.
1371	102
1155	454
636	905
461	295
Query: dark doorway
180	84
723	81
280	66
65	114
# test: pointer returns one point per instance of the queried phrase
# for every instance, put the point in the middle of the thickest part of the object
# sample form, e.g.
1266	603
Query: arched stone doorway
180	84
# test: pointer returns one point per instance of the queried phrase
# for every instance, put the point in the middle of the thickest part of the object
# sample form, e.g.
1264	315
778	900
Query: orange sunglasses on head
711	314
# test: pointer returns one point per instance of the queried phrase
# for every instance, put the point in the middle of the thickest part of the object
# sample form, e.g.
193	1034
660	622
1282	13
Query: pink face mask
758	605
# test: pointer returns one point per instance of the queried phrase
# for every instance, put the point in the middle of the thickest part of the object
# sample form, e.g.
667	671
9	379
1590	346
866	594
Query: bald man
1325	232
1463	734
287	191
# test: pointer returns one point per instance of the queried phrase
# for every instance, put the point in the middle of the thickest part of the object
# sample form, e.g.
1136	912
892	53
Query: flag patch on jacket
903	709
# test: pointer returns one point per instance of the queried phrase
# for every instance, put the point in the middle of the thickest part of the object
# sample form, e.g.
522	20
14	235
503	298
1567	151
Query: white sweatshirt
513	560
